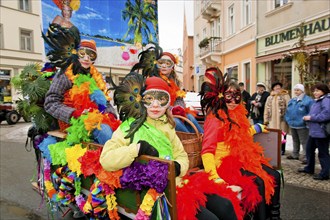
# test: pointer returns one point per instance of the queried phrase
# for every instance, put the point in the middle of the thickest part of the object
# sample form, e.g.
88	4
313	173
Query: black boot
275	212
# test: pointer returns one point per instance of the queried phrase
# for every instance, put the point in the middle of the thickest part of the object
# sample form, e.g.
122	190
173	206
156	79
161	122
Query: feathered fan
63	44
212	91
147	61
128	98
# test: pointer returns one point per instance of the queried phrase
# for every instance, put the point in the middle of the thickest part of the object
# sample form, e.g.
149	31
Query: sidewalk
291	175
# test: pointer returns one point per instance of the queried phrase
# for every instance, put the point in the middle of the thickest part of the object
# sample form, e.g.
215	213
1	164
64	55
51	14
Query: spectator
245	97
257	103
318	115
275	109
298	107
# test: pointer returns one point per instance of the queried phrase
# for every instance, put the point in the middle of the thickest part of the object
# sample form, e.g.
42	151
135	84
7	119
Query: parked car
8	113
192	101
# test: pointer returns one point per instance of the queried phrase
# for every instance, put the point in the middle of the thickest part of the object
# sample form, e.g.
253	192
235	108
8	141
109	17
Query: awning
270	57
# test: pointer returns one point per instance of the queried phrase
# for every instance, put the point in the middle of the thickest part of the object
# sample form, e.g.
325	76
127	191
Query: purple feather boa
150	175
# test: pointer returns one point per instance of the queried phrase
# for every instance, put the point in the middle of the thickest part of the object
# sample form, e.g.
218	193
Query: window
231	21
24	5
204	33
247	71
282	72
5	86
246	12
279	3
219	28
213	28
26	40
1	37
234	73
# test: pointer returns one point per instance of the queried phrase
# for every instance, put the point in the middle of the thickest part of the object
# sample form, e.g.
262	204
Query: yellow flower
72	156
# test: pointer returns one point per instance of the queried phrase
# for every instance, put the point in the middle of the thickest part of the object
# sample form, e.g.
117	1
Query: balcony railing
213	47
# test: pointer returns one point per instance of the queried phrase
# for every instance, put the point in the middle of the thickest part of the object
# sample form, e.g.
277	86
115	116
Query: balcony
211	54
210	9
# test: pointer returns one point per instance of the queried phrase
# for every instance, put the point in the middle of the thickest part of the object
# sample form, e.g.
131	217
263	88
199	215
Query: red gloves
178	110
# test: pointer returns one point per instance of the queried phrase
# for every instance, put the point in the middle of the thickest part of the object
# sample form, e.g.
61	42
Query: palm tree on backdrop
140	14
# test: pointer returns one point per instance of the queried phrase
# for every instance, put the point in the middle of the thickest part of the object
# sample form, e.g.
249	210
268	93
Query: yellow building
278	27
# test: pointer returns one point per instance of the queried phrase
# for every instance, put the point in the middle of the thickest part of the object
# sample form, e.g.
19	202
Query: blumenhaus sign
308	29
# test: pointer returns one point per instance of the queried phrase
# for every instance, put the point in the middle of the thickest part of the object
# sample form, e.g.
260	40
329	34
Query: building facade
225	37
280	26
189	82
20	41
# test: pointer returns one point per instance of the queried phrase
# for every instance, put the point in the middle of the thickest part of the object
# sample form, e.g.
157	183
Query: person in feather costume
229	153
148	129
66	7
78	90
154	62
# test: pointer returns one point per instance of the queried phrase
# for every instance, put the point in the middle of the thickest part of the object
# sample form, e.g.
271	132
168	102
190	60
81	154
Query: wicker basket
192	143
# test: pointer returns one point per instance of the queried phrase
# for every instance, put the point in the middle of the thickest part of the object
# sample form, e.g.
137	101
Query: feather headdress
147	61
63	44
128	98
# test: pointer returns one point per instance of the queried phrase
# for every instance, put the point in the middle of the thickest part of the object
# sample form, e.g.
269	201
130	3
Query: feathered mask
212	91
128	98
148	60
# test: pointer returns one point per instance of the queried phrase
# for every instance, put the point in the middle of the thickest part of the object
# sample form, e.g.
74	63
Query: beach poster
120	28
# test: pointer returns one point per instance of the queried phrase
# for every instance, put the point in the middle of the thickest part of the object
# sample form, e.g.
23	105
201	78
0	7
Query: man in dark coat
245	97
257	103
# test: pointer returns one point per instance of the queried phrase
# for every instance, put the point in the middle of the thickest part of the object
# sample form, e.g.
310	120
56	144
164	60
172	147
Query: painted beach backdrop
112	24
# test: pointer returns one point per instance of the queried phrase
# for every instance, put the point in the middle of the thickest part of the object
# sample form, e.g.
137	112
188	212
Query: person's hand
147	149
177	168
219	180
235	188
178	110
307	118
77	113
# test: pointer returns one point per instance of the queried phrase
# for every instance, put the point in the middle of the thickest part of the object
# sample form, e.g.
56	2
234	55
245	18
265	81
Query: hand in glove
147	149
258	128
178	110
209	167
177	168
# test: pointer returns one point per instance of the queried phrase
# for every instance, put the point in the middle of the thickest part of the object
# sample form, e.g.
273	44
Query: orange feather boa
242	147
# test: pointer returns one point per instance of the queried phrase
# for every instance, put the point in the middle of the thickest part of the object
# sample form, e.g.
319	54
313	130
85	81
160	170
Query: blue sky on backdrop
103	17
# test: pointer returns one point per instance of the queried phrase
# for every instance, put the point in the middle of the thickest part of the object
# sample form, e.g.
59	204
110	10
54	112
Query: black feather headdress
147	61
62	44
128	99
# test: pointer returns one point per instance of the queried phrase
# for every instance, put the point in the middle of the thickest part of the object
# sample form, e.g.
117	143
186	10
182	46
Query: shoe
318	177
302	170
283	153
290	157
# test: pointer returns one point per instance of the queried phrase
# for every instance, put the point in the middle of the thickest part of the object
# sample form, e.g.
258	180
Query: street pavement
301	198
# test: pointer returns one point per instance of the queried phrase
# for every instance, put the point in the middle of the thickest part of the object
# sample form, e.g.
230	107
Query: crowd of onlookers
301	116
